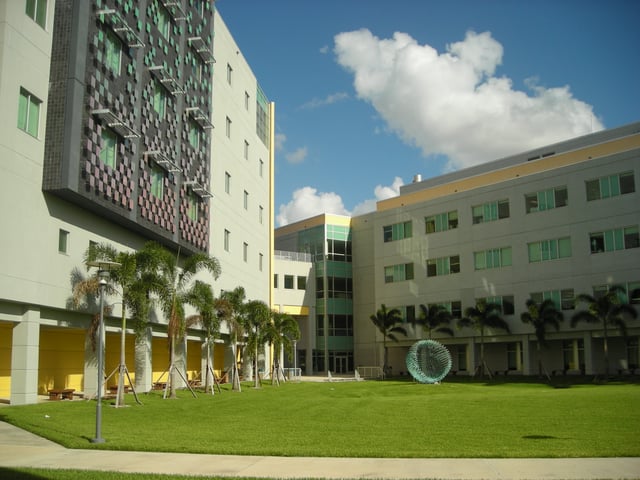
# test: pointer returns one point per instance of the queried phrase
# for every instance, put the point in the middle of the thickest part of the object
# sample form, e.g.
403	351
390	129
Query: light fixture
104	267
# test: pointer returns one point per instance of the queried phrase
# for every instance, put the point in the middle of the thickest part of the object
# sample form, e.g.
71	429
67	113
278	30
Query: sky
370	93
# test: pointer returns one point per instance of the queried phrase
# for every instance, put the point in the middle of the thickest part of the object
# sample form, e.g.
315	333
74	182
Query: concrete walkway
19	448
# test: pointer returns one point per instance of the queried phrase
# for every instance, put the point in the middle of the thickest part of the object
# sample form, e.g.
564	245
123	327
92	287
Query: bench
61	393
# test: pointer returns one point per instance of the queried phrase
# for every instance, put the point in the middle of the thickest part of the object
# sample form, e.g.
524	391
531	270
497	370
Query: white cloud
280	139
451	103
328	100
381	193
297	156
308	202
324	49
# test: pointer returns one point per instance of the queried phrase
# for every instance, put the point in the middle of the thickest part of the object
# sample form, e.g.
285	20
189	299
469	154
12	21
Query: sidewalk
19	448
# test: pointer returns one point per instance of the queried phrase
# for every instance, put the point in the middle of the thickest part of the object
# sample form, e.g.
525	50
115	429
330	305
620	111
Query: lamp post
103	275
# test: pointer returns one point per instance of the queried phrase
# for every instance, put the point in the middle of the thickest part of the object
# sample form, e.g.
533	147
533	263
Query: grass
360	419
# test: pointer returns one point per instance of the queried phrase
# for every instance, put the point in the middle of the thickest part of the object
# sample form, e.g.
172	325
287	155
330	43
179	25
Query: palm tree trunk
606	350
172	369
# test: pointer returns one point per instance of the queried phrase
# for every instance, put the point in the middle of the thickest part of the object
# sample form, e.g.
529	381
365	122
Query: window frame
34	10
27	103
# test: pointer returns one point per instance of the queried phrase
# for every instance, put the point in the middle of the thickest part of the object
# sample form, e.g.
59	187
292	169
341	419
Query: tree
435	318
130	279
258	315
386	321
610	310
236	321
481	317
202	299
280	332
540	316
172	284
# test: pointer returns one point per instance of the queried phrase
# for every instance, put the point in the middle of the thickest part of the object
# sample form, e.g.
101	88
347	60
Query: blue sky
369	93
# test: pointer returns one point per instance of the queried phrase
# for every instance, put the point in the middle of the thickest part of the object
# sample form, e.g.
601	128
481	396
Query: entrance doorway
341	364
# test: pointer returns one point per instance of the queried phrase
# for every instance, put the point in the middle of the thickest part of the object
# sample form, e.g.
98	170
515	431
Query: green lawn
360	419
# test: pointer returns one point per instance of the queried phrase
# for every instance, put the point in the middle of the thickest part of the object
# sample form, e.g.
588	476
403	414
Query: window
109	148
275	280
398	273
546	199
164	22
194	134
288	282
246	200
37	11
610	186
549	249
441	222
340	325
113	52
246	150
159	99
228	127
505	302
443	266
246	101
491	211
260	261
302	283
453	307
227	182
492	258
630	292
260	214
229	74
339	250
339	287
227	239
245	251
192	211
63	241
261	168
397	231
28	113
563	299
157	181
617	239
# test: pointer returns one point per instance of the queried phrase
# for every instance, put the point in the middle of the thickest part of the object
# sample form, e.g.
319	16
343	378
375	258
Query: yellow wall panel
61	359
6	335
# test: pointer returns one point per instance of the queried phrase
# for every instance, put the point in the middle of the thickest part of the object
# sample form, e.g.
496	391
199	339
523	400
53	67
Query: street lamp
103	274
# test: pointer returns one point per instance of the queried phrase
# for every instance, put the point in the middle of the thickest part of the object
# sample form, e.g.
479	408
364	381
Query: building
111	136
554	222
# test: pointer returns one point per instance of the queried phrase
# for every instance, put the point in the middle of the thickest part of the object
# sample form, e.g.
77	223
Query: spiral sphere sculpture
428	361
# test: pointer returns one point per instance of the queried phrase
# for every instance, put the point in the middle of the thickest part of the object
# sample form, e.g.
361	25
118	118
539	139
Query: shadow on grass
19	475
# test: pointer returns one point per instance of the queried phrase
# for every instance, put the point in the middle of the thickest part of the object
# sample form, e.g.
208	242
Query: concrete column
90	367
588	354
143	365
25	353
526	355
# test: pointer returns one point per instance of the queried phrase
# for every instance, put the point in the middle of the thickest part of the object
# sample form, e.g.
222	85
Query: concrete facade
108	136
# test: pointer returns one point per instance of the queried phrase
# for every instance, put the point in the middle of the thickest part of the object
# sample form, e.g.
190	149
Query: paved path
19	448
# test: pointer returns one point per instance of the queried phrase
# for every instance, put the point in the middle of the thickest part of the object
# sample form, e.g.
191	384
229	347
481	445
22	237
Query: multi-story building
551	223
109	138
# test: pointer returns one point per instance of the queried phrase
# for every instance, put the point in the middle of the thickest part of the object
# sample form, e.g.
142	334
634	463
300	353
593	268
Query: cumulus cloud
381	192
307	202
328	100
280	139
452	103
297	156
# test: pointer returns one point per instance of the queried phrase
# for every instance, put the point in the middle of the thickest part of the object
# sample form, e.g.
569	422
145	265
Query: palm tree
130	279
387	323
280	332
236	321
540	316
172	284
435	318
202	299
481	317
258	315
610	310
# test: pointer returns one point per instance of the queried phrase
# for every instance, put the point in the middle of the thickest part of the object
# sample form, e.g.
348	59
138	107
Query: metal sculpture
428	361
